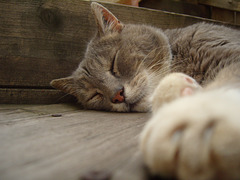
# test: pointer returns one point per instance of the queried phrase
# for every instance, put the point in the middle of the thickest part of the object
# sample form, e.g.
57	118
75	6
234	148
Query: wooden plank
39	39
183	7
43	40
233	5
66	147
238	18
128	2
33	96
223	15
133	170
12	113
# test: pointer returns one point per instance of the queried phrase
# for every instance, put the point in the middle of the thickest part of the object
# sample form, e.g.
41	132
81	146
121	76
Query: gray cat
124	63
188	77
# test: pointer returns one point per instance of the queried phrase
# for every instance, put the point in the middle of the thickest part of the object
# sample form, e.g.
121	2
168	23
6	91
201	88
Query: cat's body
126	64
202	50
136	59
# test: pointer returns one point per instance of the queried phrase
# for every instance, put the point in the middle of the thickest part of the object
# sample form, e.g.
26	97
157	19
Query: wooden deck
36	145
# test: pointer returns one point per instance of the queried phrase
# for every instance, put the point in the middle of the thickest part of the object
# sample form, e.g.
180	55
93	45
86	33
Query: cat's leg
195	137
171	87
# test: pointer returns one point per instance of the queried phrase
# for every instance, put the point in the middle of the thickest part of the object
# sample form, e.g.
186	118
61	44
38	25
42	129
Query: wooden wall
224	10
221	10
190	7
41	40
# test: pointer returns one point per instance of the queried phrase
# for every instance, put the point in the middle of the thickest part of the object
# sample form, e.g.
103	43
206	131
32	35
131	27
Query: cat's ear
105	20
65	84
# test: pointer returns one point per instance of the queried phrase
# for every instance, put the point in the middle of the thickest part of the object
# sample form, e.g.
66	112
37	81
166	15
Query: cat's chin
138	102
139	108
141	105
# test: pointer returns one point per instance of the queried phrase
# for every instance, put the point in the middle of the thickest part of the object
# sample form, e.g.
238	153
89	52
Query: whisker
60	98
143	60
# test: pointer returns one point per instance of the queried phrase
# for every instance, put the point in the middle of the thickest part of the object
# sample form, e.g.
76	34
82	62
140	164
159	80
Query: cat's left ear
105	20
65	84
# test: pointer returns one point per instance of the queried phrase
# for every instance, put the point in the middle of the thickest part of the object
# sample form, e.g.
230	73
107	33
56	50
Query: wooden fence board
233	5
33	96
49	37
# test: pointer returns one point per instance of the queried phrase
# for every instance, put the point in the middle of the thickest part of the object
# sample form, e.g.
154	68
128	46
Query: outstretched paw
196	137
171	87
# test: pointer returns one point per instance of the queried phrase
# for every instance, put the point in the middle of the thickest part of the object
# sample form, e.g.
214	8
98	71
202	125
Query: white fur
195	137
172	87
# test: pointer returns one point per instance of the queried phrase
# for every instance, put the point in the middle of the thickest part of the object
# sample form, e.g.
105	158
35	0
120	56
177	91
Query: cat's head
123	64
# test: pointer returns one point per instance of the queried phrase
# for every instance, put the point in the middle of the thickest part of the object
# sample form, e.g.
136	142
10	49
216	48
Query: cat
188	77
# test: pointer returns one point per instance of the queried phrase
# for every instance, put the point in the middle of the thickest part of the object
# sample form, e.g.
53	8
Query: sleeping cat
189	77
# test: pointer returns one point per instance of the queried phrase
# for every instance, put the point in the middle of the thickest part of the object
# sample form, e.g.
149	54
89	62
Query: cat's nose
119	96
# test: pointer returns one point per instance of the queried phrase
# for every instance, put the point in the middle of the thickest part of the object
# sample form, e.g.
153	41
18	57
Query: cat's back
202	49
203	33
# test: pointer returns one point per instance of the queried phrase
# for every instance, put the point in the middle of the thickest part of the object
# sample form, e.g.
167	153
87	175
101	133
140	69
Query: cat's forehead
130	37
106	41
84	82
90	72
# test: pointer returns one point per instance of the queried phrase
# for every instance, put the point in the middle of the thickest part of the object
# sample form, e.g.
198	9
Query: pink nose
119	97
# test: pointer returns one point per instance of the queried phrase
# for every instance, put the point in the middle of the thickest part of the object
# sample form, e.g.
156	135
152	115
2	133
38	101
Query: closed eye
95	95
113	65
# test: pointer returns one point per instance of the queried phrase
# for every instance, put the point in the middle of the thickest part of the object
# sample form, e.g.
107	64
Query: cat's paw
195	137
171	87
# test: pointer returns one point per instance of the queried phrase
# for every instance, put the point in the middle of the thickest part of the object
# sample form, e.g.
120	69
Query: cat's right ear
65	84
105	20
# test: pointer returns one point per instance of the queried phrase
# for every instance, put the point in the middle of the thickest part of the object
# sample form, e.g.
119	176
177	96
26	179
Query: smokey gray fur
143	56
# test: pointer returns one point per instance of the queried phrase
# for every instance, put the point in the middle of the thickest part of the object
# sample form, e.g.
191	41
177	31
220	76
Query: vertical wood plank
225	4
223	15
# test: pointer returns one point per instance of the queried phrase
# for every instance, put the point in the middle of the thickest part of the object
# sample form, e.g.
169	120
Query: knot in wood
51	18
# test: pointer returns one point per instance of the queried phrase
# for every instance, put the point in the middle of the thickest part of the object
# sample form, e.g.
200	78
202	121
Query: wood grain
223	15
44	40
36	146
225	4
33	96
183	7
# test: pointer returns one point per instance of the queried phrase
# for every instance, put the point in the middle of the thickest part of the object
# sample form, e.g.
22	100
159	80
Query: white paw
195	137
171	87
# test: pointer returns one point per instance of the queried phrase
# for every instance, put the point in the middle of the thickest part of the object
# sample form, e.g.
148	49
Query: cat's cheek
143	106
122	107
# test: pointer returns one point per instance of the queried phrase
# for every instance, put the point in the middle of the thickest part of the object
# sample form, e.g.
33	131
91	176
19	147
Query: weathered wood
223	15
128	2
35	145
238	18
134	169
43	40
33	96
10	113
225	4
183	7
